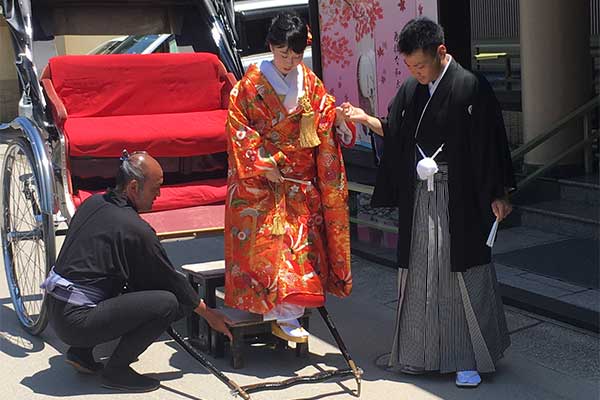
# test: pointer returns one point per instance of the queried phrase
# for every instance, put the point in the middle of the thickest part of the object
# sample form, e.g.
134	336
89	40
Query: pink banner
358	50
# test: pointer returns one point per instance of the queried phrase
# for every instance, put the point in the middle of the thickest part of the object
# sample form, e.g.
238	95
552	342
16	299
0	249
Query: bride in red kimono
287	232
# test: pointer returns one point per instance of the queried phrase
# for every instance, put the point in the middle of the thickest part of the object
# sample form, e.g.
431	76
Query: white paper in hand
492	236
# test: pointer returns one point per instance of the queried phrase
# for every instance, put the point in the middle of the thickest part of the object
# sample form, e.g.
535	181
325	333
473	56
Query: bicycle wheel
27	235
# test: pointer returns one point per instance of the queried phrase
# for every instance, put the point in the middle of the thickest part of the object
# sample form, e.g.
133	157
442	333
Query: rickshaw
79	112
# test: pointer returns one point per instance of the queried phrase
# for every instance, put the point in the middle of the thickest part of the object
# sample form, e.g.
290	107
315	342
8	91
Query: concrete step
552	298
584	189
573	218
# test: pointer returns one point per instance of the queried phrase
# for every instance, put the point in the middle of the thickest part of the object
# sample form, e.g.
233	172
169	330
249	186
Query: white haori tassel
427	168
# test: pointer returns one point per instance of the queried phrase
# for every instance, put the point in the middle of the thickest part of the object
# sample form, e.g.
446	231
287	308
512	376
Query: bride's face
285	59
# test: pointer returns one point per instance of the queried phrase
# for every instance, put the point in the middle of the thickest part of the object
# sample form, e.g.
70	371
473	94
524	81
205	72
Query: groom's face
425	66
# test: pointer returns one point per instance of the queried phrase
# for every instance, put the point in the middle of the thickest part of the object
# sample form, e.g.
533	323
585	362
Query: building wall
495	26
499	20
9	87
79	44
492	19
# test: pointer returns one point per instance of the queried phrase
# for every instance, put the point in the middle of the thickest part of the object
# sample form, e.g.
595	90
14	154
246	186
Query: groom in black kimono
446	165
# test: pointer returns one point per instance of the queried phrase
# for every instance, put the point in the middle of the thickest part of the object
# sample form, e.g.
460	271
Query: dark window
134	44
252	27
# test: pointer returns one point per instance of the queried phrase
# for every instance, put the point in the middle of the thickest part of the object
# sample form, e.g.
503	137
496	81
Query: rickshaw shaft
235	388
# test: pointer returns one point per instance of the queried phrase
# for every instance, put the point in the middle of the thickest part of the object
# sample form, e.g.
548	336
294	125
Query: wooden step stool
205	278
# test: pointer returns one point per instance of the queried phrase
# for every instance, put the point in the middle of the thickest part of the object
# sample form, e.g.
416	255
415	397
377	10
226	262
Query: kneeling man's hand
215	319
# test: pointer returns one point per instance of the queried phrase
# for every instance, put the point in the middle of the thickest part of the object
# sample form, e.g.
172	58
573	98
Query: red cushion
161	135
189	194
134	84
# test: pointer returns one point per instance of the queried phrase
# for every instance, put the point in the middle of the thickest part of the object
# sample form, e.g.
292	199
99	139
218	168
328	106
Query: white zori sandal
290	331
468	379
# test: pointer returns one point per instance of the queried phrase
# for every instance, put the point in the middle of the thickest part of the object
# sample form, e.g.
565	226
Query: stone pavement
547	360
570	301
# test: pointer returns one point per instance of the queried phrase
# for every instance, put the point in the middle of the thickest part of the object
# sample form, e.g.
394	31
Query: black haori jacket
467	116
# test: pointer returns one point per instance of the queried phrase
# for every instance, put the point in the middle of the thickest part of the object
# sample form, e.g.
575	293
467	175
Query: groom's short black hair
420	34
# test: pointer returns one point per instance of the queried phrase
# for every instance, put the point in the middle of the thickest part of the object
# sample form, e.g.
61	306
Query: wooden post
455	18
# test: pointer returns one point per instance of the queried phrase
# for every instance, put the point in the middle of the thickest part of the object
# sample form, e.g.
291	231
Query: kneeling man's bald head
139	178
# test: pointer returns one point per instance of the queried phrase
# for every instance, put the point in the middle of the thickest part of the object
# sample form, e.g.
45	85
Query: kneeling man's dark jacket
110	247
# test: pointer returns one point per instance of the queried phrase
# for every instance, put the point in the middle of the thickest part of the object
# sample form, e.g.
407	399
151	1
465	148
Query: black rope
318	377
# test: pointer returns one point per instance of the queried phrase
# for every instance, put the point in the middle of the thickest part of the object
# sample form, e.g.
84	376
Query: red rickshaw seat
170	105
161	135
167	104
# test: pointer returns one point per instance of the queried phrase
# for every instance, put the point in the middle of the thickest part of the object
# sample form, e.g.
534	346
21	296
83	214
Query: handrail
529	178
555	129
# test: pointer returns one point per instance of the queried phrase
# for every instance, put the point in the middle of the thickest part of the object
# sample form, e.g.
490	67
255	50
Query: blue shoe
467	379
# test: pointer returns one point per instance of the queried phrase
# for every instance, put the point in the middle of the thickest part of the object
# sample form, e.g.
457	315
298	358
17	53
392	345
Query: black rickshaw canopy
206	25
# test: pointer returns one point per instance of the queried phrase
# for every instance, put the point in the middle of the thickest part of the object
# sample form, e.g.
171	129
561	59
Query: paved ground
547	360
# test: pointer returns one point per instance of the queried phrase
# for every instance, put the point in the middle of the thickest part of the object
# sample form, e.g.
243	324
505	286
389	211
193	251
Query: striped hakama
446	321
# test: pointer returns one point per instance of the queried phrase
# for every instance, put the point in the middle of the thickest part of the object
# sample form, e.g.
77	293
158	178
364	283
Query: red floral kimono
312	257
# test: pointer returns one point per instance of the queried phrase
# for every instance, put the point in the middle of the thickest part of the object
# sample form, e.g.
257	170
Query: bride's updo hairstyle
288	30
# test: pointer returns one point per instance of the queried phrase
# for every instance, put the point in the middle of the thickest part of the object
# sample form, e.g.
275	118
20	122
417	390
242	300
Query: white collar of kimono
433	85
427	167
291	86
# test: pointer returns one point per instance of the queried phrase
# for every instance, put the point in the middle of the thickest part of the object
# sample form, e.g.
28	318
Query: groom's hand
501	208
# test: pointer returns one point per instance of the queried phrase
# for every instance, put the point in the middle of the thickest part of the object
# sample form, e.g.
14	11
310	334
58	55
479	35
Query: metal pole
508	72
587	150
338	339
556	160
236	390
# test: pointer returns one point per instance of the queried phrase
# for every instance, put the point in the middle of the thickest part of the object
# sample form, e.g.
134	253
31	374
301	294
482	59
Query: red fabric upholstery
178	196
170	103
161	135
134	84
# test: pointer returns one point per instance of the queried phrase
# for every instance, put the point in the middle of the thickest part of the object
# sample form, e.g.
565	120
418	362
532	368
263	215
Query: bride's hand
353	114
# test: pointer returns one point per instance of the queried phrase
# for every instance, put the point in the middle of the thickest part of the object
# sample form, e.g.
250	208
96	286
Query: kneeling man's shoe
83	361
290	331
468	379
127	380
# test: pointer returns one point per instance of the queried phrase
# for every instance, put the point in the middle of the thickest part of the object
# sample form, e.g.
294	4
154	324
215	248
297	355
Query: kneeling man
113	279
